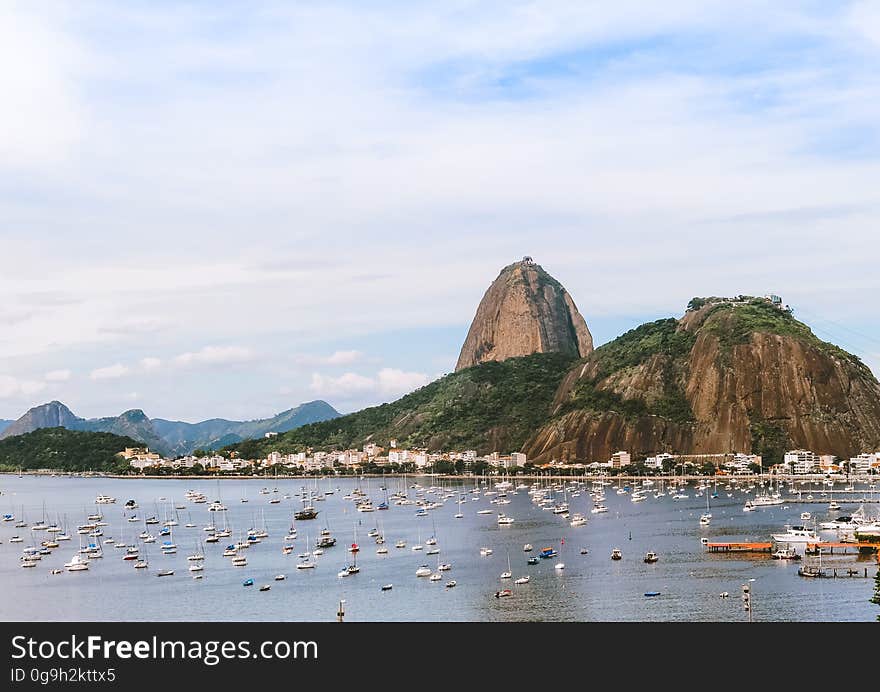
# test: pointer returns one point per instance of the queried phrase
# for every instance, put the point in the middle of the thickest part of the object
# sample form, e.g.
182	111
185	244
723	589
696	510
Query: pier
828	548
739	547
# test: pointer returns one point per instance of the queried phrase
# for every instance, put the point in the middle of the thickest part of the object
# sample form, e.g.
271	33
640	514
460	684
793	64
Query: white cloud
215	355
110	372
344	386
150	363
343	358
14	387
57	376
394	382
387	383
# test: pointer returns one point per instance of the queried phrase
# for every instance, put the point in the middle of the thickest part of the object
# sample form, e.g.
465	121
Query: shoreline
666	478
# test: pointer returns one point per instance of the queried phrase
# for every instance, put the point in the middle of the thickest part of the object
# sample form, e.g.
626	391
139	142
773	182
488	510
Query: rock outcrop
524	311
731	376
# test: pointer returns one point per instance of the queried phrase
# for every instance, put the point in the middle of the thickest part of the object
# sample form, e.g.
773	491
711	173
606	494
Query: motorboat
522	580
423	571
527	548
616	554
796	534
651	557
787	553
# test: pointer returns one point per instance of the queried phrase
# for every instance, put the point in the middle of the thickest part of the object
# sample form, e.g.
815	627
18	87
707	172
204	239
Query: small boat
522	580
423	571
584	551
651	557
485	551
559	566
527	548
532	561
832	506
436	576
387	587
280	577
451	584
265	587
248	582
165	573
651	594
503	593
400	544
616	554
57	571
806	516
788	553
485	511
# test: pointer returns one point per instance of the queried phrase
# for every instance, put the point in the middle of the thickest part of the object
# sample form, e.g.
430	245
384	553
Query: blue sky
226	209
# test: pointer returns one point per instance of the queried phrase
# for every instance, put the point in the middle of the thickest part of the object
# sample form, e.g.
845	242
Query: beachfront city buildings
795	462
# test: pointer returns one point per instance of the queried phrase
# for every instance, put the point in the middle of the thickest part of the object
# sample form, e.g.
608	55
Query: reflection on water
591	586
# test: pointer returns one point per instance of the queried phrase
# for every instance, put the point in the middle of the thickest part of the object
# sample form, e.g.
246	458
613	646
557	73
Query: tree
876	599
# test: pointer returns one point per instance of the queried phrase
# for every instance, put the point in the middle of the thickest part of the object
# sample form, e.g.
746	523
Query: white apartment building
864	462
518	459
741	462
656	462
620	459
801	461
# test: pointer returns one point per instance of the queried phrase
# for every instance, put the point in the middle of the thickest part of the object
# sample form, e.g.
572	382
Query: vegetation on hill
661	338
734	321
65	450
489	407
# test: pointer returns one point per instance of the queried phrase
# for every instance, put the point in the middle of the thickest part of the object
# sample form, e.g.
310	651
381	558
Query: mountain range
165	436
734	374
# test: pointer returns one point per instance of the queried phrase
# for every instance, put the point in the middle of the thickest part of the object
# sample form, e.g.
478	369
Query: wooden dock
828	548
739	547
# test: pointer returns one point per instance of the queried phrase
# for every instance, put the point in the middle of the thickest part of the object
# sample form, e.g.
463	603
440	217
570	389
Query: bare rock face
725	378
525	311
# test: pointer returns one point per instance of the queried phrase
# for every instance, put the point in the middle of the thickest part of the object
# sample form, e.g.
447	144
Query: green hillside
488	407
64	450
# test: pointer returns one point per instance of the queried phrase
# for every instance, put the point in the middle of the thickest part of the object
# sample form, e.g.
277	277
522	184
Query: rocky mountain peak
525	311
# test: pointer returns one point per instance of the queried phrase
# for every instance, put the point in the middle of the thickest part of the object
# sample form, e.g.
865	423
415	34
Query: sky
225	209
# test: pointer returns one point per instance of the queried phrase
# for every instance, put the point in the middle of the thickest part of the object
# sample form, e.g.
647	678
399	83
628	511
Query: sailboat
507	574
707	517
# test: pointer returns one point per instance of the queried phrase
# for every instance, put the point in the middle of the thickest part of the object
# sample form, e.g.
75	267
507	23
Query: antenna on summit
527	260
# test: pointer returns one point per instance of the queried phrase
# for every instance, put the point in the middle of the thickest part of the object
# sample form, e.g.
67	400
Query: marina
663	548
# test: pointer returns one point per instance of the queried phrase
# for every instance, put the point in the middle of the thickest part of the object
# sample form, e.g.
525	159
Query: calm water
591	587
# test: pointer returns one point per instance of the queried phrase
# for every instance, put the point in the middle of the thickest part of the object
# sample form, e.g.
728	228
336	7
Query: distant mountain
5	424
218	432
164	436
67	450
51	415
133	424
